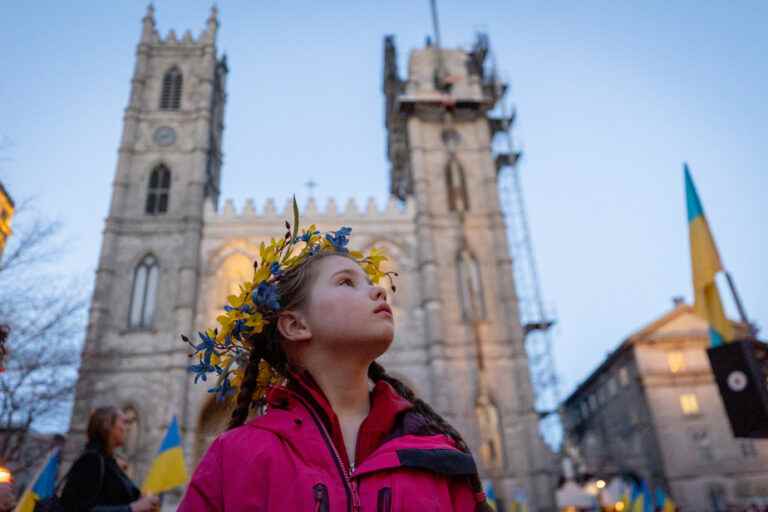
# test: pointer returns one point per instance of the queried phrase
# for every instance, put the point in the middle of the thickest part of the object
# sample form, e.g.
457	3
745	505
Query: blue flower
245	308
275	269
207	347
266	295
339	239
201	370
238	328
223	390
307	235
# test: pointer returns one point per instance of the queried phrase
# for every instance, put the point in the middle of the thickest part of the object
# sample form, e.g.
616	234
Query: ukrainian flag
641	500
705	262
168	469
663	502
44	486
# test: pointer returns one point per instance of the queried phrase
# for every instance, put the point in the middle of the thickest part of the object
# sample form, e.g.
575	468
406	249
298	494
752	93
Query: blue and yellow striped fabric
168	469
663	502
43	486
705	264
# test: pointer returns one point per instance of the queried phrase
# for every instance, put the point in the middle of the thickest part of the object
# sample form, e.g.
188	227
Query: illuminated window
234	270
612	386
676	361
623	376
689	404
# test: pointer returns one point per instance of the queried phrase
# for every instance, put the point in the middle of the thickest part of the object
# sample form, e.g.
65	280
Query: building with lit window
652	410
6	213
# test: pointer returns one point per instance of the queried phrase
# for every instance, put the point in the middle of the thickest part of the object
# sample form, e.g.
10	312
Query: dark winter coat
97	484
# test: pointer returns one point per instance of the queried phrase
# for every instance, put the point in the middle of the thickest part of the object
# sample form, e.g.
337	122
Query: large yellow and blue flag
663	502
705	263
44	484
168	469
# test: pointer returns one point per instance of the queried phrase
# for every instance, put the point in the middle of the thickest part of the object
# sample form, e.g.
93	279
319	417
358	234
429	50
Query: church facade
172	252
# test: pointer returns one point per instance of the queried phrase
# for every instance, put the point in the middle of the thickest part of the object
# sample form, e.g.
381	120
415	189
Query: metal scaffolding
536	322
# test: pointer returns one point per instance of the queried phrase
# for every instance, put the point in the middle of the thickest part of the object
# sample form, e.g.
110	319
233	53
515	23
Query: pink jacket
286	461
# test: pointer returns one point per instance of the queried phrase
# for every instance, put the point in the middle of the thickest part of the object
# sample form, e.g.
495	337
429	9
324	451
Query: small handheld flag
168	469
44	484
641	500
663	502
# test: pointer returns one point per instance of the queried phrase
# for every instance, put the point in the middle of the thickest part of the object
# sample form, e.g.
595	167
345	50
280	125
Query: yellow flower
255	321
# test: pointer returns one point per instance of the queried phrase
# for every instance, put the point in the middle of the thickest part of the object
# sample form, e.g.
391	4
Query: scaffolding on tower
536	322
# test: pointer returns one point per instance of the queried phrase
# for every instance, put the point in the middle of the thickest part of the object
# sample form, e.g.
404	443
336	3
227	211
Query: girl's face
346	311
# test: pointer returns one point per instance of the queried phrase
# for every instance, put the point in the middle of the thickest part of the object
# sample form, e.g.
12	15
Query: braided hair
435	424
265	347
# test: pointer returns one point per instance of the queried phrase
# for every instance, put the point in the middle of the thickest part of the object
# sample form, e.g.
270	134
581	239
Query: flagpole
739	306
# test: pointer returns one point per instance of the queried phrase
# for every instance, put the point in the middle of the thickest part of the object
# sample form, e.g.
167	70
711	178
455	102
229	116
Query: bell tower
440	135
168	167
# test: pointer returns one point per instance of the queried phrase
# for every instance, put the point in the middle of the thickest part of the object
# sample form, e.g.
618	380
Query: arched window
159	189
470	286
170	97
456	183
144	292
233	271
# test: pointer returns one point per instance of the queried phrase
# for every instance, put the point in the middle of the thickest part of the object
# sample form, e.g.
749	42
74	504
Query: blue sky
611	97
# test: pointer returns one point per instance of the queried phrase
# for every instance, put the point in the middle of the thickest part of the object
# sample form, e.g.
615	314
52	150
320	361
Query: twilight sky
611	99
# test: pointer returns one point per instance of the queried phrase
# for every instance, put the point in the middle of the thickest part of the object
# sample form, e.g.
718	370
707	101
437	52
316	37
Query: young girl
333	431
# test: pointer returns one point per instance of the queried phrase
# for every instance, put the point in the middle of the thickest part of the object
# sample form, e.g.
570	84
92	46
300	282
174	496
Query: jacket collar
386	408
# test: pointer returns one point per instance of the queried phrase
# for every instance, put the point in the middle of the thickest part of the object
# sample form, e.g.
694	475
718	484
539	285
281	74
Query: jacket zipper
353	499
321	498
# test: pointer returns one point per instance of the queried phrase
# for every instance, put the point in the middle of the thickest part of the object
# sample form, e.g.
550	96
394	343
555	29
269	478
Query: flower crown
223	350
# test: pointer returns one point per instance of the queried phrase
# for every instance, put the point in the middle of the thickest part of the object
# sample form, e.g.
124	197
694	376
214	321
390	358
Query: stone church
171	253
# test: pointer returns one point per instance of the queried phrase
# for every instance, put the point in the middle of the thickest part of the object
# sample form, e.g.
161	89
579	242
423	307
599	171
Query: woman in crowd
96	483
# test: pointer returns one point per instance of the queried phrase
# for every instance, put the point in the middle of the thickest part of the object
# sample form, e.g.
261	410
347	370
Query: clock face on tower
164	136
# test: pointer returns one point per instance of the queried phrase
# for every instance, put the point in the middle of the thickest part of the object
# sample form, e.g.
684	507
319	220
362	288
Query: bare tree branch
44	317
